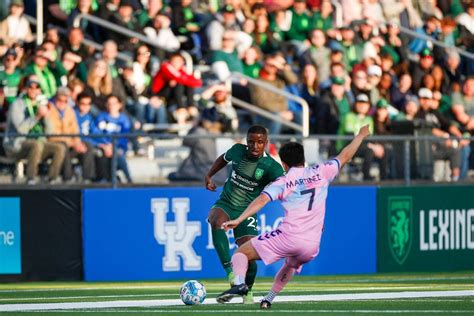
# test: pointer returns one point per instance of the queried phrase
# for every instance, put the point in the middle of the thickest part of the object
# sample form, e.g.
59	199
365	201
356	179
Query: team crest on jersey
258	173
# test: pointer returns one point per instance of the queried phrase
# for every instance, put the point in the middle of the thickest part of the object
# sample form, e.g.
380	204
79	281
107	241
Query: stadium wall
40	235
162	233
425	228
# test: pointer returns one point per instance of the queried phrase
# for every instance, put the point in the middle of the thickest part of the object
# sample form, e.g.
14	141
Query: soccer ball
192	292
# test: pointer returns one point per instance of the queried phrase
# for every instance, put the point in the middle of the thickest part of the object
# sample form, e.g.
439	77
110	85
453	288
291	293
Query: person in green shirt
322	19
10	77
300	22
251	62
252	170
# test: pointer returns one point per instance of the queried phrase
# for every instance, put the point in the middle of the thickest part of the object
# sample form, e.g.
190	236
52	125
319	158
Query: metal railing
404	146
303	129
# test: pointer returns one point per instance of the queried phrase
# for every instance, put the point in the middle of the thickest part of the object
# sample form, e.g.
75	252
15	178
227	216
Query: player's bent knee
217	217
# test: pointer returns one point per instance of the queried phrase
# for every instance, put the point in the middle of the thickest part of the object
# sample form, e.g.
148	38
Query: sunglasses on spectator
84	103
145	53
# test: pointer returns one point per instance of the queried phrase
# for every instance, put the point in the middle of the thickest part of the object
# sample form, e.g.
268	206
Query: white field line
45	298
290	311
42	288
177	302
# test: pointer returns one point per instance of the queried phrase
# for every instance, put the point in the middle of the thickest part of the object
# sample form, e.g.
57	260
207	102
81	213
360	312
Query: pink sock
240	264
282	278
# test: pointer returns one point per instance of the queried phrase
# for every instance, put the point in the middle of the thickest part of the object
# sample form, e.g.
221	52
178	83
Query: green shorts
247	228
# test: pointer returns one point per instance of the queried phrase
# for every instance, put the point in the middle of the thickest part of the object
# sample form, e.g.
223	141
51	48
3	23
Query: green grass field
382	294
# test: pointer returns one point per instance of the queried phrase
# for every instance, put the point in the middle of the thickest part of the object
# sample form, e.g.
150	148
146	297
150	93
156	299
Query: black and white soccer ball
192	292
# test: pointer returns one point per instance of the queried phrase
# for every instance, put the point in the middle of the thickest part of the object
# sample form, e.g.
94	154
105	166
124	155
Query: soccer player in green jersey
252	170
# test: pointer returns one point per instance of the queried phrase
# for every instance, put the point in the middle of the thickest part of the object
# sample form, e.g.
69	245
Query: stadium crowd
347	58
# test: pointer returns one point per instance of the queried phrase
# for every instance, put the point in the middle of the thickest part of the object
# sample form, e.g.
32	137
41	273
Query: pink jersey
302	192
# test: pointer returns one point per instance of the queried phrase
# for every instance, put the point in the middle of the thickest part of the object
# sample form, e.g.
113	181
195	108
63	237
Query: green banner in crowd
425	228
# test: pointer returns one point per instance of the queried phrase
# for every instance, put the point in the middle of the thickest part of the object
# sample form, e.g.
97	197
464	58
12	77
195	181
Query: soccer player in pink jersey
302	192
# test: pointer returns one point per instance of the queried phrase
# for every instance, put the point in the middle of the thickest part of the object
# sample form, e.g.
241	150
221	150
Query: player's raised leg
219	238
281	279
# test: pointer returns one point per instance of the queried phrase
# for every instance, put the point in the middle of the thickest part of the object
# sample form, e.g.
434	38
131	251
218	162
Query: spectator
308	89
425	66
352	52
159	31
84	7
27	116
75	43
251	62
100	85
226	60
185	24
430	29
277	73
112	122
10	78
176	86
317	54
333	108
15	28
299	25
350	125
441	127
322	19
109	55
400	94
360	83
217	102
463	105
202	150
124	18
153	9
226	20
263	36
62	120
46	67
453	73
383	151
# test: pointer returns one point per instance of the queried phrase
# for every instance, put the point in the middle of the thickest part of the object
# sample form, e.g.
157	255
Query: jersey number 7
311	199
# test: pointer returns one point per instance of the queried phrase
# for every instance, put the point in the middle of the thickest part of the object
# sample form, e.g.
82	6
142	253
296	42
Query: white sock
239	279
270	296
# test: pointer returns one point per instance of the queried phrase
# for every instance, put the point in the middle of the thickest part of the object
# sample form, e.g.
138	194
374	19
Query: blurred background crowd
353	61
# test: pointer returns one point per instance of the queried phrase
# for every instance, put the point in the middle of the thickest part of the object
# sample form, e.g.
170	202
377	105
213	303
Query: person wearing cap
440	127
423	67
226	20
383	151
10	78
351	125
333	107
374	75
15	28
27	115
62	120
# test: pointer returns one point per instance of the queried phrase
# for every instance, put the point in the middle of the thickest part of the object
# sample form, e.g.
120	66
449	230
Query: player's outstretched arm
252	209
216	166
349	151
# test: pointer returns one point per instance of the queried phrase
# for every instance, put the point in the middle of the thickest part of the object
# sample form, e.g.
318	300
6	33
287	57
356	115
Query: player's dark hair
292	154
257	129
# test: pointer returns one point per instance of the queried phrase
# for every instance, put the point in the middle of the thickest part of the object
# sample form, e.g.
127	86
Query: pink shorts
277	245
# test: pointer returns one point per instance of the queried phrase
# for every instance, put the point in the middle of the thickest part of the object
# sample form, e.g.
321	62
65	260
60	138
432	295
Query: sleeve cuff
267	194
338	163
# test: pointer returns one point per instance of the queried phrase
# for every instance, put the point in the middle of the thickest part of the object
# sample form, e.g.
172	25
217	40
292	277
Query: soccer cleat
231	278
236	290
248	299
264	304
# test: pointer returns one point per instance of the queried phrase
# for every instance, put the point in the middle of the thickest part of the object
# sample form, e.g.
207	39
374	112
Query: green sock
251	274
221	244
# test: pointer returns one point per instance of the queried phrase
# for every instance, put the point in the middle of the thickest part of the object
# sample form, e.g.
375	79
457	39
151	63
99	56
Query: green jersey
10	83
248	178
